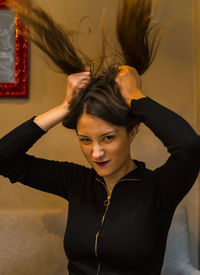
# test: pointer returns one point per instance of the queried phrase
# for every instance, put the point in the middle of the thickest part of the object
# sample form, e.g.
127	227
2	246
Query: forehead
91	125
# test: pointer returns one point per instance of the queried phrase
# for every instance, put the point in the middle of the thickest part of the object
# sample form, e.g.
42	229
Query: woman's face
105	146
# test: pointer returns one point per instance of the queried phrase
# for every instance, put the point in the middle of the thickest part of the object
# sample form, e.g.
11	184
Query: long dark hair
138	40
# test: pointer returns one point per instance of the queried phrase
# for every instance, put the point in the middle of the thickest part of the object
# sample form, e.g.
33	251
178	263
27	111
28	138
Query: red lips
102	163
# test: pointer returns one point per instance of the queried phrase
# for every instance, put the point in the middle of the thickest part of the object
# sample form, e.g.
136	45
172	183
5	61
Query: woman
119	211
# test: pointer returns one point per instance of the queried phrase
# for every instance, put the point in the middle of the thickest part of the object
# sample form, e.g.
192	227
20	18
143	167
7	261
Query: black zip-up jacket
125	234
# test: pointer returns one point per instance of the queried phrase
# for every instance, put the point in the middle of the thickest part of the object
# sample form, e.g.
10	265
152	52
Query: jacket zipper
106	203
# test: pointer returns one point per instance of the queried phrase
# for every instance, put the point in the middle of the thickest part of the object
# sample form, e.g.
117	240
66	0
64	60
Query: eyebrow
100	135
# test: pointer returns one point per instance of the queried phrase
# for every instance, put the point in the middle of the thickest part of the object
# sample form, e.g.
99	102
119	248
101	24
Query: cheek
120	149
85	151
125	149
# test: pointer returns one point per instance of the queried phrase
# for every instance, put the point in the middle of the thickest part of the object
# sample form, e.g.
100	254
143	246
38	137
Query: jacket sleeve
46	175
175	178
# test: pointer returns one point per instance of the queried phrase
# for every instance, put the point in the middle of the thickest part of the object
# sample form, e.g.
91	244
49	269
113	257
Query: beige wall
196	24
170	81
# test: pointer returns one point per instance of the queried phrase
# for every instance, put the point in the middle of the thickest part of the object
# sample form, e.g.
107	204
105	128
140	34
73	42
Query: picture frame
14	54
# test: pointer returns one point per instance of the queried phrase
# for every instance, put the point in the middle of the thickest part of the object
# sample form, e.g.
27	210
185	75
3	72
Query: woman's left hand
130	84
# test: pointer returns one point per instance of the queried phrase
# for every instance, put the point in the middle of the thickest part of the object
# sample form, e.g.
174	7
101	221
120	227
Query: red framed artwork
14	52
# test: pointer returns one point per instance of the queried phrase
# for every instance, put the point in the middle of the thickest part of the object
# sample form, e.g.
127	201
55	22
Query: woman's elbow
193	149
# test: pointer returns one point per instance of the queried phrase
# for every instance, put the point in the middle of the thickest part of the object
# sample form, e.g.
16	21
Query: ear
134	131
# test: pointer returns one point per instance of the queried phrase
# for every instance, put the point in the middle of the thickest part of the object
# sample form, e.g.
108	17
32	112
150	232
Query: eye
85	140
108	138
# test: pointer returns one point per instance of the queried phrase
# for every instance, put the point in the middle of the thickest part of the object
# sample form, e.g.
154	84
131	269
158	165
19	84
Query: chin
103	173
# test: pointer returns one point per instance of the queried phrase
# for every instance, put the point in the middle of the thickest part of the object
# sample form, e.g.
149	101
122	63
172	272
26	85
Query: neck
112	180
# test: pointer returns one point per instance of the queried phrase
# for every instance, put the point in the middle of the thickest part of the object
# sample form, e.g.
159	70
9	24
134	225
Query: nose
97	151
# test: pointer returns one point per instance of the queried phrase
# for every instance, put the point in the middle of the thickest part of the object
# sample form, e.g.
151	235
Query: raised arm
39	173
175	178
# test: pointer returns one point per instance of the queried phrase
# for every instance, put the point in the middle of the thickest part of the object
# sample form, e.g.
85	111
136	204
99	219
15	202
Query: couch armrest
177	259
188	269
32	242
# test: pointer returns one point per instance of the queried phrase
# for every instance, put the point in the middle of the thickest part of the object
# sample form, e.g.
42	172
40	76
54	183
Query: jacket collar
134	175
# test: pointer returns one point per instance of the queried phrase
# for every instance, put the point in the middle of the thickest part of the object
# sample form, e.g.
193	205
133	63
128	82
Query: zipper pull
107	202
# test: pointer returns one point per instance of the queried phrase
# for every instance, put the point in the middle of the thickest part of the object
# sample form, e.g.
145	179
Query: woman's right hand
130	84
75	83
